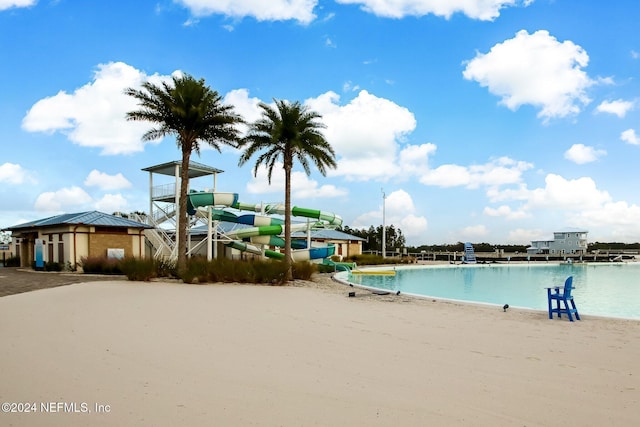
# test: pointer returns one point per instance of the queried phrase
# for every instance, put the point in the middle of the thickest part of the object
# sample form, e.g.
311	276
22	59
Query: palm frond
191	111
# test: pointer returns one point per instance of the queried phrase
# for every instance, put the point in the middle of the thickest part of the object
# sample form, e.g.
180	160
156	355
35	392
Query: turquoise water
611	290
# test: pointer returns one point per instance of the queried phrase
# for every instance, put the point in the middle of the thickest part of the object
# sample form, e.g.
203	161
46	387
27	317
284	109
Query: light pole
384	234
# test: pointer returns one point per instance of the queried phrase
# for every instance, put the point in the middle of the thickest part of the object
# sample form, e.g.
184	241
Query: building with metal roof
569	241
67	238
346	244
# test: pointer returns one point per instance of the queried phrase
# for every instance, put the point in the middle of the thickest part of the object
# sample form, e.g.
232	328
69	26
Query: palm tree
188	109
284	133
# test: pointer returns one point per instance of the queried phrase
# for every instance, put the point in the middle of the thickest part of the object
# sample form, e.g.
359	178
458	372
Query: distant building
5	252
571	241
346	244
69	237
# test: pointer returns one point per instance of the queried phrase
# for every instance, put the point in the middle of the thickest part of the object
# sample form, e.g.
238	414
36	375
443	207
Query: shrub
222	270
141	269
196	268
303	270
241	271
100	265
13	261
271	271
166	268
199	270
227	270
52	266
325	268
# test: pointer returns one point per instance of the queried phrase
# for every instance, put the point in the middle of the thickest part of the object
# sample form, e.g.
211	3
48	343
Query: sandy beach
166	354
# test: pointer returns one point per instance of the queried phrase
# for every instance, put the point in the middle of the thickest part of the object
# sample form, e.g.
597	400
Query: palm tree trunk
287	219
182	209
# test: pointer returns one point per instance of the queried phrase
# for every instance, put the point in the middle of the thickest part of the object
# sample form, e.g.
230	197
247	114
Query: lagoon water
611	290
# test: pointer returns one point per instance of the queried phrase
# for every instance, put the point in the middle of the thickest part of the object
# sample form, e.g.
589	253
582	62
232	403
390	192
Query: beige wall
4	255
346	249
99	243
78	242
132	243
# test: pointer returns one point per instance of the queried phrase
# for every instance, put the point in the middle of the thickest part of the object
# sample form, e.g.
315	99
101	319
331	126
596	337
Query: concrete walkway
15	280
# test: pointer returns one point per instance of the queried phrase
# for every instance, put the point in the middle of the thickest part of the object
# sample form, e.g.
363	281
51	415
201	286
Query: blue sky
495	121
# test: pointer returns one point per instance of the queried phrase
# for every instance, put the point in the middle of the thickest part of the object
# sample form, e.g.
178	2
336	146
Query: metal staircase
163	206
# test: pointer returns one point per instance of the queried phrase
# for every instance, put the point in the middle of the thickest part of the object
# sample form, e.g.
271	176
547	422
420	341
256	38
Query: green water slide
278	209
197	199
245	247
339	266
265	230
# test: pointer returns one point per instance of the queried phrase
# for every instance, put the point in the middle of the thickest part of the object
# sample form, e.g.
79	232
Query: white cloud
534	69
8	4
414	159
522	236
629	136
486	10
365	133
558	194
302	187
580	154
617	219
505	211
618	107
12	173
447	176
272	10
400	212
244	106
577	202
94	115
473	232
348	86
328	42
62	200
497	172
105	181
413	228
112	203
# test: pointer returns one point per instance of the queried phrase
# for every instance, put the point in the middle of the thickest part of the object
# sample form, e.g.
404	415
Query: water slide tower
164	198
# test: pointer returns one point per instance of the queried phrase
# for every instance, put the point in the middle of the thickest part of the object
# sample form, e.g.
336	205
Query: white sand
234	355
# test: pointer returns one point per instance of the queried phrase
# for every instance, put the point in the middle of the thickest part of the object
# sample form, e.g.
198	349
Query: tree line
396	241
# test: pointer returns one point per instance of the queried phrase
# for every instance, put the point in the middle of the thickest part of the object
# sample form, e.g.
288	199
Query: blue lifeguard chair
565	297
469	254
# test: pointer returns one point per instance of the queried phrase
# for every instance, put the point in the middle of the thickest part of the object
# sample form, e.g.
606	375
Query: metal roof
327	233
195	169
84	218
572	230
